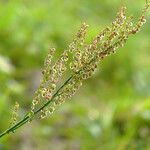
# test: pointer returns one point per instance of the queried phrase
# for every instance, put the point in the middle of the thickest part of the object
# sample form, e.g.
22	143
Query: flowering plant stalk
85	58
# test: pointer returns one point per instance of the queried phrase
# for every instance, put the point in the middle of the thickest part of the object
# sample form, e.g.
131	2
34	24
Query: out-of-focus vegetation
112	109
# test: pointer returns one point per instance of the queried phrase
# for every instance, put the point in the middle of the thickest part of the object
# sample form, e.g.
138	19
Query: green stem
27	118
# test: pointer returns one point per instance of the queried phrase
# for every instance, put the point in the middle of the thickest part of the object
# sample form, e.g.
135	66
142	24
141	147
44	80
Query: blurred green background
112	109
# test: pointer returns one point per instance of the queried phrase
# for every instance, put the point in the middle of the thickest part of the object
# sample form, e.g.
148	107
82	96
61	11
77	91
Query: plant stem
27	118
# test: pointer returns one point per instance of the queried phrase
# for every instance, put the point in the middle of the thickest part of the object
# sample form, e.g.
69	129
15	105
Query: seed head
84	59
14	114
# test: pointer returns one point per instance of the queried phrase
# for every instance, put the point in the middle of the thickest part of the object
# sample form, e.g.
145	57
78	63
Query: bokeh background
112	109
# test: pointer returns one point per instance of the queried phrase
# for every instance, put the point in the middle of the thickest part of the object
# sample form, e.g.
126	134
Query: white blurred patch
5	65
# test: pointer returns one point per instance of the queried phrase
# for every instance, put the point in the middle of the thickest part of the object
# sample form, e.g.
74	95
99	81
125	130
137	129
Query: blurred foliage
112	109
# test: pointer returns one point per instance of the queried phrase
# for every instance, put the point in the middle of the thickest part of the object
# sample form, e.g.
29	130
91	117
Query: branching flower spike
84	60
14	114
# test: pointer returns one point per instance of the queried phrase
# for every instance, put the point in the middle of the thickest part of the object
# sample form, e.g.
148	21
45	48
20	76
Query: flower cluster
84	61
77	48
14	114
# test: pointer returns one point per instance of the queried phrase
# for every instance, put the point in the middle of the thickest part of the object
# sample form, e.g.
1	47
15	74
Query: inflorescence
84	59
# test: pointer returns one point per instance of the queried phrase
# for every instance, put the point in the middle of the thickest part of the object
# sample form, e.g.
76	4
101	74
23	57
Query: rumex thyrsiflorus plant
81	59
